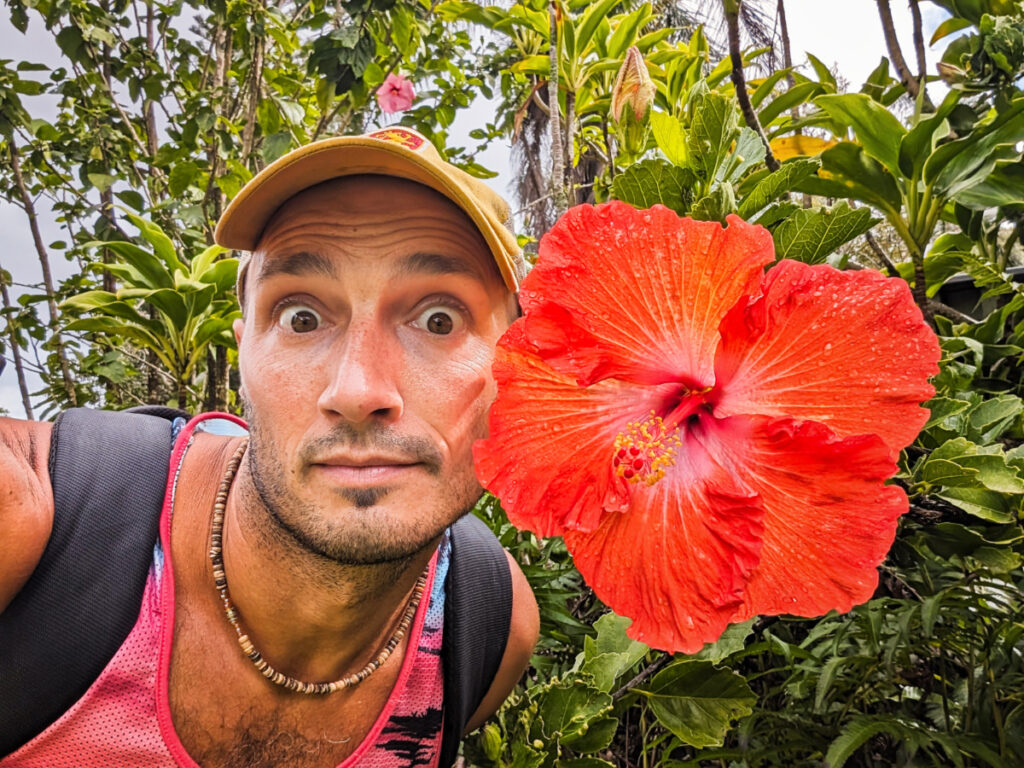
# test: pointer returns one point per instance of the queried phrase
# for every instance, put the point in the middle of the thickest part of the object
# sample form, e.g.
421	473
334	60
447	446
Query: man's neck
311	618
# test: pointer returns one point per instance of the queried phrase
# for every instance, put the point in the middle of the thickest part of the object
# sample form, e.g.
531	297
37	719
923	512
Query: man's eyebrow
298	264
438	264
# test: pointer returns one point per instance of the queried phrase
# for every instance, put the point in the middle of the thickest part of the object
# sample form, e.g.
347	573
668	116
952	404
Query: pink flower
396	94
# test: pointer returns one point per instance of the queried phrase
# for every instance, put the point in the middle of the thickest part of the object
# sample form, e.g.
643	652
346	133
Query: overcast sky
845	33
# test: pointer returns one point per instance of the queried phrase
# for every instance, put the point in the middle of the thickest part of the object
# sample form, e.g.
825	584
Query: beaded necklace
221	581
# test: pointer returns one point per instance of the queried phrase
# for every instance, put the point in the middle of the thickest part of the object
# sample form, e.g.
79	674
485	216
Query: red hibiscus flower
396	94
711	440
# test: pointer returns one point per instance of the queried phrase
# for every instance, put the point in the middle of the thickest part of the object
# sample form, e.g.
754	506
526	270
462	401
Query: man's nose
363	383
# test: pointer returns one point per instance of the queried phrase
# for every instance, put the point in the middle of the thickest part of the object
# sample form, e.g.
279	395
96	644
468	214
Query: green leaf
223	274
943	408
959	164
732	640
716	205
776	184
654	181
154	274
567	708
593	736
163	247
854	735
811	234
875	127
101	181
182	176
748	152
919	142
857	175
583	762
275	145
1004	186
713	128
205	260
670	138
697	701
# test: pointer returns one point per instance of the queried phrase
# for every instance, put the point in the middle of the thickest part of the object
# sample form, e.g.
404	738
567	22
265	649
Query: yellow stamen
645	450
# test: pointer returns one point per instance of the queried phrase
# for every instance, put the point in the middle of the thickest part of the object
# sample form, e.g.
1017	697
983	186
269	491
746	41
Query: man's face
373	308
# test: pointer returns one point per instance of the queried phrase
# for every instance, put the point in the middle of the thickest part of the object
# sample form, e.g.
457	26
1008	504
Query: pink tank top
124	718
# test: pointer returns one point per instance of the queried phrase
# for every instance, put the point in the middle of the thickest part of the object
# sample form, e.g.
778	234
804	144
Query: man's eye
439	320
299	319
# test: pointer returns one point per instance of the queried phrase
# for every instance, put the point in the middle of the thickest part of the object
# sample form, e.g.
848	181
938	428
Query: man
298	626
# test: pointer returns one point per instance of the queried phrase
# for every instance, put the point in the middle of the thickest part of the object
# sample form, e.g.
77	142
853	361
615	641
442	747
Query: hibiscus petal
639	295
828	519
678	561
847	349
549	459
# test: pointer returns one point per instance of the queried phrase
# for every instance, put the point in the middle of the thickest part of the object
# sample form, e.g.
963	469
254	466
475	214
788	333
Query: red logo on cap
406	138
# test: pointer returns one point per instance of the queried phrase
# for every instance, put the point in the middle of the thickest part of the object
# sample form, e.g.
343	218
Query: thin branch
645	673
44	261
19	365
880	253
732	15
892	43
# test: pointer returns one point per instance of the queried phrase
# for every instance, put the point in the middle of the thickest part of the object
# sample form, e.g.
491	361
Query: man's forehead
310	233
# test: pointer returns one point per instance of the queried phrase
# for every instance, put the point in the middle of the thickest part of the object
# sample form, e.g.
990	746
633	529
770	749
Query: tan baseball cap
396	151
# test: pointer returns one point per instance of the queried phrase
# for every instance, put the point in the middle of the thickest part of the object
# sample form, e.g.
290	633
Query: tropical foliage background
166	109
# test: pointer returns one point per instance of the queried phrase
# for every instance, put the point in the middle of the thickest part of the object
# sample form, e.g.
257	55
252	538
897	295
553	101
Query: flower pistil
645	450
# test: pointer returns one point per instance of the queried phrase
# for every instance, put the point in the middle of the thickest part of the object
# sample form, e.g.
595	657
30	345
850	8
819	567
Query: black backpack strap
109	473
477	614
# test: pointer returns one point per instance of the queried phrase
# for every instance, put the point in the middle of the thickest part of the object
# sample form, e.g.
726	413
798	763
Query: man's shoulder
26	501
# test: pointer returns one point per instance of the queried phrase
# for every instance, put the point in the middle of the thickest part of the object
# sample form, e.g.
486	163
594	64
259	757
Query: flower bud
491	741
633	86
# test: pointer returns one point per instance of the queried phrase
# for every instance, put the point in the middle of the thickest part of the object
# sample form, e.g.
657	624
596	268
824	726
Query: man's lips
365	470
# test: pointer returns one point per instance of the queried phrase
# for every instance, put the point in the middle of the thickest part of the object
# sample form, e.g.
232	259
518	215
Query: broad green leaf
713	128
275	145
716	205
943	408
223	274
748	152
525	756
997	559
102	181
919	142
787	147
811	234
90	300
182	176
163	247
584	762
593	736
172	305
958	164
946	472
985	504
948	27
154	273
654	181
775	185
995	413
612	638
670	138
732	640
875	127
1004	186
858	176
798	94
567	707
204	260
697	701
626	30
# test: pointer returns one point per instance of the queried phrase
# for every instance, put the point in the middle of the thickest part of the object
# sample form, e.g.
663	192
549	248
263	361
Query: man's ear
238	327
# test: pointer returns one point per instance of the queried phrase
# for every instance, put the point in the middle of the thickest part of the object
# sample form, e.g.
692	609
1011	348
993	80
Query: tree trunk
919	51
570	149
44	262
12	337
892	43
557	148
732	20
787	50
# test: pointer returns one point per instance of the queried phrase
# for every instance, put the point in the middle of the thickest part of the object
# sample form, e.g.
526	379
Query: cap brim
242	223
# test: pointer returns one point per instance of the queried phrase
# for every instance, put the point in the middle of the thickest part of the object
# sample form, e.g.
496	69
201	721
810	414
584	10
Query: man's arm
524	628
26	502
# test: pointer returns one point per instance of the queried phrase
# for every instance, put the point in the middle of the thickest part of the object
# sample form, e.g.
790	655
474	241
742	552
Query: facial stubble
367	536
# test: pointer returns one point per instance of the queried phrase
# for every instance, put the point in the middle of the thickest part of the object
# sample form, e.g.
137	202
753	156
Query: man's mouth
365	470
